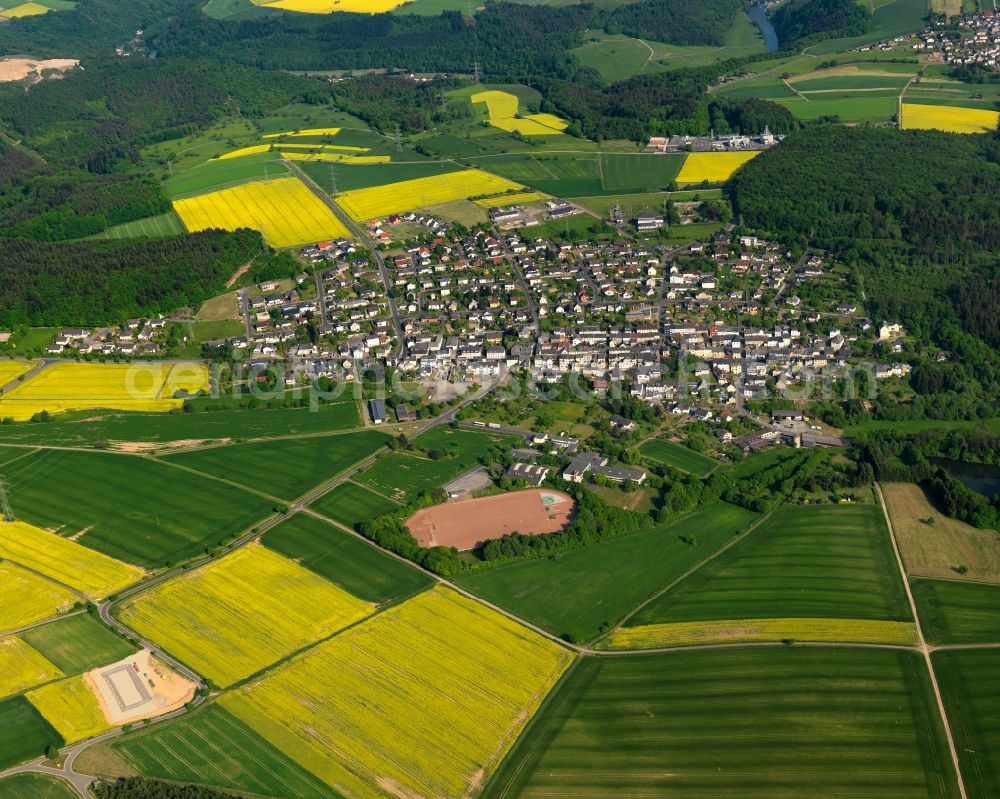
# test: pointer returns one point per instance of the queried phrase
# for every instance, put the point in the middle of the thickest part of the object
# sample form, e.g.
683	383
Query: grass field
285	211
216	175
575	593
139	386
241	613
350	177
512	199
403	476
26	732
822	562
26	598
772	723
22	667
969	685
350	503
713	167
917	116
855	107
286	467
133	509
71	707
214	748
65	561
151	428
677	456
151	227
429	696
343	559
77	644
952	612
631	173
395	198
939	548
35	786
692	633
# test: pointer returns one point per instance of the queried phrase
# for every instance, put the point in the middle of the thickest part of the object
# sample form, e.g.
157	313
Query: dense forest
806	21
675	21
94	283
383	102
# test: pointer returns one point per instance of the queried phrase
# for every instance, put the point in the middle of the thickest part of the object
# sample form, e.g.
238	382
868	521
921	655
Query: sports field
71	707
809	562
395	198
35	786
26	598
65	561
422	700
139	386
935	545
773	723
130	508
240	613
578	592
77	644
954	612
677	456
952	119
22	667
968	682
26	732
286	467
350	503
691	633
212	747
470	523
353	564
285	211
713	167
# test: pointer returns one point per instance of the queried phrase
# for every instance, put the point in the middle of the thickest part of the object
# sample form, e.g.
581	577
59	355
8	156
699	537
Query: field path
922	644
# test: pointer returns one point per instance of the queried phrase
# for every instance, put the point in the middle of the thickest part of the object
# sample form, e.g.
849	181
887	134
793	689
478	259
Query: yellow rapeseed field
422	700
11	370
26	598
89	572
285	211
328	6
25	10
651	636
395	198
502	108
338	158
280	147
952	119
307	132
71	707
512	199
713	167
252	149
69	386
241	613
22	667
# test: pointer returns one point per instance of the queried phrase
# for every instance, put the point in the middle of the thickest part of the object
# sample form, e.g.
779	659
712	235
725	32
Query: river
759	18
981	477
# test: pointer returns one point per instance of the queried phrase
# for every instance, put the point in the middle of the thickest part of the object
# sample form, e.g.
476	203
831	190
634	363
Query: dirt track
469	523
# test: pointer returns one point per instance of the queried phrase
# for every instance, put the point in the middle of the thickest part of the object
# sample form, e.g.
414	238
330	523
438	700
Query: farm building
376	409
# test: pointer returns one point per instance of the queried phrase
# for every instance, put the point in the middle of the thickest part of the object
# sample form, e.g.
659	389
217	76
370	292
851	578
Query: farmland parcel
241	613
127	387
422	700
952	119
713	167
71	707
22	667
26	598
285	211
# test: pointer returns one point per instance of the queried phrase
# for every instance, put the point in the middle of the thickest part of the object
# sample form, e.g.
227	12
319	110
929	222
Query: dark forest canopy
915	212
143	788
813	20
94	283
676	21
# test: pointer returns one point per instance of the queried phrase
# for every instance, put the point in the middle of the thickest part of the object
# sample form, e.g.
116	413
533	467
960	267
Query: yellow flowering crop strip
285	211
425	698
71	707
306	132
395	198
26	598
860	631
88	571
25	10
11	370
22	667
337	158
71	386
502	108
952	119
241	613
328	6
713	167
